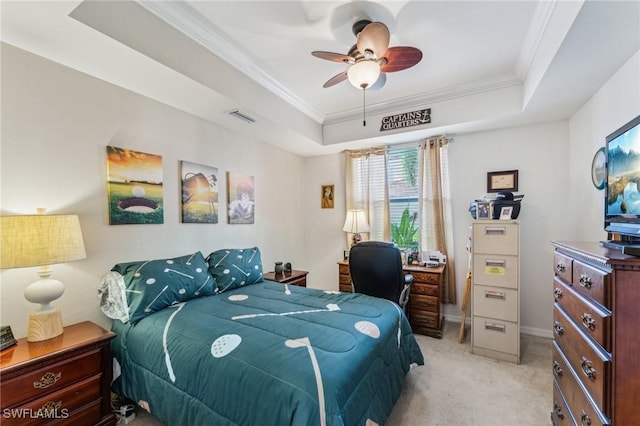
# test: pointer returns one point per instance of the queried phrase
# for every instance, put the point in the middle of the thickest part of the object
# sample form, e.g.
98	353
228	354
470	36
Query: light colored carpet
456	388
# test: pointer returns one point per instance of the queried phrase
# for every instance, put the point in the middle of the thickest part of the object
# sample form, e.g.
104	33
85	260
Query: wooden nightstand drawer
424	303
425	289
49	379
425	277
61	404
421	319
591	319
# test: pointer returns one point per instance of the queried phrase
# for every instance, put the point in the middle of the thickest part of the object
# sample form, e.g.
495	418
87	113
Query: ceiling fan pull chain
364	107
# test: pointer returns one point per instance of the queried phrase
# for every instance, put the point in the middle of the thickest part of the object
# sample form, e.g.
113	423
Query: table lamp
41	240
355	223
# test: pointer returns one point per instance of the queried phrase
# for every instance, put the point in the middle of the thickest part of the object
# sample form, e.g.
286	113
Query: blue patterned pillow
233	268
155	284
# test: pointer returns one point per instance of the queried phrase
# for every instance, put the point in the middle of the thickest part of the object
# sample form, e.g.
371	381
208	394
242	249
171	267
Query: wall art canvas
134	187
241	201
199	193
327	196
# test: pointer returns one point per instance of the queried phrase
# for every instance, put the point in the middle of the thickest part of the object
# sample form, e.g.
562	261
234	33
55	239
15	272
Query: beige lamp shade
41	240
36	240
356	222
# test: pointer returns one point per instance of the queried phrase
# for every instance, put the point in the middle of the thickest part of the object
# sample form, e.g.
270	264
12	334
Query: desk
425	300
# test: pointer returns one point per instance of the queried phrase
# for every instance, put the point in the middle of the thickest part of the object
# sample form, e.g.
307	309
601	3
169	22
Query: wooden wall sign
406	119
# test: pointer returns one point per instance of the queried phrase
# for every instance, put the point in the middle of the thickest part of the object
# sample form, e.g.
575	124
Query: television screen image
622	192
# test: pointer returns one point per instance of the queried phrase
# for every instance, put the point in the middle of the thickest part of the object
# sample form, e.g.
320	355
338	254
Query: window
402	176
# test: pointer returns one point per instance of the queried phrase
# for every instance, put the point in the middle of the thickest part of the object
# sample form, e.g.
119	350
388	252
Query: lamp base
44	326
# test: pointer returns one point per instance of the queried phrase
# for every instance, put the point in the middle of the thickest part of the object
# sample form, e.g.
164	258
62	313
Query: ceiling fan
370	58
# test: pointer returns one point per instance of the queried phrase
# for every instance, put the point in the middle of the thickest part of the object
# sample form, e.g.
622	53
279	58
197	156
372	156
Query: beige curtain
436	230
366	189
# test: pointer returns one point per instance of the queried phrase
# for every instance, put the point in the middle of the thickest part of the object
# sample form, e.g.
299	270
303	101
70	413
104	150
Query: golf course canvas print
134	187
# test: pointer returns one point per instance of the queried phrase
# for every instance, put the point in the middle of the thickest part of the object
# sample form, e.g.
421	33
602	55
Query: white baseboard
529	331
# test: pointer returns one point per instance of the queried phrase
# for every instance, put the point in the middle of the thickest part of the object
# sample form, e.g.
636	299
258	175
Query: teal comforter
267	354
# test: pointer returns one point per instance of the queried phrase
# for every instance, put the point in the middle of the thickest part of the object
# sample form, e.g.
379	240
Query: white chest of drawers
495	297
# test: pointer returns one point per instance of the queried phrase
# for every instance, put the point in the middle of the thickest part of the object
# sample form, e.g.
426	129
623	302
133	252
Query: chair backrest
376	269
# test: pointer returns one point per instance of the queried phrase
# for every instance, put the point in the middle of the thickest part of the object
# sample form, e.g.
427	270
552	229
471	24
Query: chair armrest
404	295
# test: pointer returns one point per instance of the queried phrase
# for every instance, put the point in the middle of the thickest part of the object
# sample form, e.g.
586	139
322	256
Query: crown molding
536	30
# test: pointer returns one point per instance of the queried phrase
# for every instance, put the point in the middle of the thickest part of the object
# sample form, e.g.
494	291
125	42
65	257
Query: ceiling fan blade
379	84
400	58
330	56
375	38
338	78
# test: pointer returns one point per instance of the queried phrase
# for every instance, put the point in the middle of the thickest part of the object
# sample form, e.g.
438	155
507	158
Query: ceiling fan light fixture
363	74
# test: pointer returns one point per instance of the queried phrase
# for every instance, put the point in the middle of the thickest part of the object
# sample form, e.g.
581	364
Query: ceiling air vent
242	116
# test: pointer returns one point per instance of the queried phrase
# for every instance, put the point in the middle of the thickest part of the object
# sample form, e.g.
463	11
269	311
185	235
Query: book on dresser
596	317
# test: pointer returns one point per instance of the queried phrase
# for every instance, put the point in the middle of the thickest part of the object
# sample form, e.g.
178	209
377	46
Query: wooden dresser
495	296
64	380
425	301
596	318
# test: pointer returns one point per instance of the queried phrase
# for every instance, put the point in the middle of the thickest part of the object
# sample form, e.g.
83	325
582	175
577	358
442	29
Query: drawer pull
561	267
51	406
557	293
585	420
588	321
495	230
585	281
489	294
495	327
587	369
557	409
558	328
495	262
557	370
49	379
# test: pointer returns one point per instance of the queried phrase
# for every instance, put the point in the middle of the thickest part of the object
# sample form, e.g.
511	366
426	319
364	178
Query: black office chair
376	270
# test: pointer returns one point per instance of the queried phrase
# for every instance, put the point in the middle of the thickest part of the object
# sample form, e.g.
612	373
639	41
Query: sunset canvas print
134	187
199	193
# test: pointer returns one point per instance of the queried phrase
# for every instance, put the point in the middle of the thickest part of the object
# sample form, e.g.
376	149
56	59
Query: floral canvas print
240	194
134	187
199	193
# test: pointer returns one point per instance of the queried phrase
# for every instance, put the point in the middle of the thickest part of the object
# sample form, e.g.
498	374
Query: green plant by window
405	234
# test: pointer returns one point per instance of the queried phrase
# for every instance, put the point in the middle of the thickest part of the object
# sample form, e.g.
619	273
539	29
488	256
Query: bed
263	353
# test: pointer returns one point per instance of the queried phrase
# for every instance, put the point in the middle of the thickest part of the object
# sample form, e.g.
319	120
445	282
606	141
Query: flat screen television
622	188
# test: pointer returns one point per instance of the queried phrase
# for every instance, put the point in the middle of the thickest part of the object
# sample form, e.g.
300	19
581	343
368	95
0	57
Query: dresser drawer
345	288
563	266
425	277
591	364
496	335
425	289
423	319
495	302
499	271
343	269
592	282
495	238
577	402
424	303
50	378
561	415
66	400
591	319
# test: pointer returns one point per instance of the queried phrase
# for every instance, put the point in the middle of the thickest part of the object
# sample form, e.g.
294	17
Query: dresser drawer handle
558	328
585	281
585	420
588	321
49	379
489	294
558	410
51	406
557	370
561	267
495	327
557	293
587	369
495	230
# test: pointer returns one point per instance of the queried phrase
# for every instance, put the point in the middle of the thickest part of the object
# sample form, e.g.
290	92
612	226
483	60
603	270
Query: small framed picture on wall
327	196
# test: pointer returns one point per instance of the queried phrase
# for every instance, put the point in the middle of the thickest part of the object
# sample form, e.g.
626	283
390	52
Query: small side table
294	277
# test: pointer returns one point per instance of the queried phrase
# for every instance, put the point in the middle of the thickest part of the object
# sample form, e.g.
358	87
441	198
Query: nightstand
294	277
66	379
